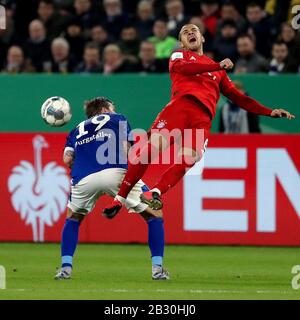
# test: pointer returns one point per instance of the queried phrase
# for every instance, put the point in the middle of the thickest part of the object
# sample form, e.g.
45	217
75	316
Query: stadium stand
66	36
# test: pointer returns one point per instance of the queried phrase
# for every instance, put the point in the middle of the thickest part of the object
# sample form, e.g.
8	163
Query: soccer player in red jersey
197	82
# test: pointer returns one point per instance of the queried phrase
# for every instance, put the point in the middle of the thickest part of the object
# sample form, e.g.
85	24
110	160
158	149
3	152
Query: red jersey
203	78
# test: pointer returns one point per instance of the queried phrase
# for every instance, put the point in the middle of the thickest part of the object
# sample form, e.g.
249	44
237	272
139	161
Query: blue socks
156	240
69	242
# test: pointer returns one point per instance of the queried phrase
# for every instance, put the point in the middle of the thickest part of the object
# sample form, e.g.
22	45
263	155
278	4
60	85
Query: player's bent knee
190	156
75	216
157	213
197	157
150	213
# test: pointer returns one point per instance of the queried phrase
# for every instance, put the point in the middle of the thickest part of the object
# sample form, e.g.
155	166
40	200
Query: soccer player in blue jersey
96	151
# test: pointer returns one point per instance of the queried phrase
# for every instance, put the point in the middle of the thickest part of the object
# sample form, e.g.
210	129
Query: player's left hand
281	113
226	64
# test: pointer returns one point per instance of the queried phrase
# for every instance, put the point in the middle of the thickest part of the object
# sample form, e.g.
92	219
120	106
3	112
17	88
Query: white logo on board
39	194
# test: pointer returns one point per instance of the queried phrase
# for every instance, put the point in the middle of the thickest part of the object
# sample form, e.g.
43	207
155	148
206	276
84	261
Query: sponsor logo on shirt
177	55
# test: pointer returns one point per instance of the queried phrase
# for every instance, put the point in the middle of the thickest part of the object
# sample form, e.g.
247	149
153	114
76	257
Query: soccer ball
56	111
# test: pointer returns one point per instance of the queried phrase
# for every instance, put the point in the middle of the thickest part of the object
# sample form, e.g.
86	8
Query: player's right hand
226	64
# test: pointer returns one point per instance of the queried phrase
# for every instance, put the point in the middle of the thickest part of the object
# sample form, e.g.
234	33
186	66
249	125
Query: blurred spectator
16	62
102	22
210	15
259	25
114	20
100	36
281	62
158	7
233	119
64	6
3	50
289	36
129	43
7	35
191	7
85	16
114	61
147	61
129	6
225	44
91	60
164	44
176	17
229	12
53	22
75	38
62	62
24	13
145	19
249	60
38	46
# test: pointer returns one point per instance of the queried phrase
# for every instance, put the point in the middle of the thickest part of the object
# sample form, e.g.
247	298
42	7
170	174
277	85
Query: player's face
191	37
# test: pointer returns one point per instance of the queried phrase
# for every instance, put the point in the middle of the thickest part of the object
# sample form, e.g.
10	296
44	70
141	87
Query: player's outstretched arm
248	103
192	67
251	105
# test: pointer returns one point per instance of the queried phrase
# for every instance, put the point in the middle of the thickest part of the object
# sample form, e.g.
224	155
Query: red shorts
189	117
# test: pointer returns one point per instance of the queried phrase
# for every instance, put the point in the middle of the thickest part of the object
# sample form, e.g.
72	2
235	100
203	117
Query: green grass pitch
124	272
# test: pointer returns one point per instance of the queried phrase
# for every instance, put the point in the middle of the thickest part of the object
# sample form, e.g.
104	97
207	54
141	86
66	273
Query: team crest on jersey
192	58
161	124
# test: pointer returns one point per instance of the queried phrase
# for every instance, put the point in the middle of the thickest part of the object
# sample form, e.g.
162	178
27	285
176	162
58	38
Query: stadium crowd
114	36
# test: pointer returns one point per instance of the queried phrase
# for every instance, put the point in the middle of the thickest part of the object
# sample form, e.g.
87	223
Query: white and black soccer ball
56	111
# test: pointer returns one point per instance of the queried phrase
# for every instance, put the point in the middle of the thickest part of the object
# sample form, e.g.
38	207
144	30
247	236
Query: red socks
139	164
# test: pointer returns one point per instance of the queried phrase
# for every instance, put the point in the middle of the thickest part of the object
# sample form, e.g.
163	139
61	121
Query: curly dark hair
95	106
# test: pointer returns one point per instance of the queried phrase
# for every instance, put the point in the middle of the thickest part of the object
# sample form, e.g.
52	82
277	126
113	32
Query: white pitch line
200	291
